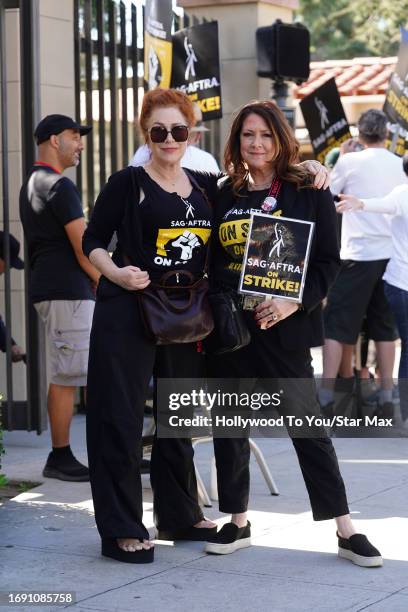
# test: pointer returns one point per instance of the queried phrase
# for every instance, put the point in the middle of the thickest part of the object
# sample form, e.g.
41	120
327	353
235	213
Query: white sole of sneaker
226	549
359	559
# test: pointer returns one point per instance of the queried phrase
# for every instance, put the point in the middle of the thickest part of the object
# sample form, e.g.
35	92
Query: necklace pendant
269	204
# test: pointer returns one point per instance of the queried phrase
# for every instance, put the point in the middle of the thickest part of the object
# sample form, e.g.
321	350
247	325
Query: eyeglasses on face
158	133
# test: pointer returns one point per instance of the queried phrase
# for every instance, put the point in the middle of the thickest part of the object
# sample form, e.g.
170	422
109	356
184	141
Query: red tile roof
355	77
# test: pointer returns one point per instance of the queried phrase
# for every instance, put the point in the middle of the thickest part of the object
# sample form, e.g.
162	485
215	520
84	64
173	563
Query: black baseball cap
15	261
55	124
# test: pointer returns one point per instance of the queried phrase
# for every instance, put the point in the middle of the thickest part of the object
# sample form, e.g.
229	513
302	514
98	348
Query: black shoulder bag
230	331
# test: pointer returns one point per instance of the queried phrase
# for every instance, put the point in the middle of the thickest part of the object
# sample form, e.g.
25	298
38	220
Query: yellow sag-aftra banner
158	44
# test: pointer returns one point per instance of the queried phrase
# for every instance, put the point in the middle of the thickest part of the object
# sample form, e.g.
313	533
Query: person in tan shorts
62	280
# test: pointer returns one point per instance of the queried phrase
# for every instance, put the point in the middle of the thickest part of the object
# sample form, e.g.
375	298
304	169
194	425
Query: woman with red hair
166	229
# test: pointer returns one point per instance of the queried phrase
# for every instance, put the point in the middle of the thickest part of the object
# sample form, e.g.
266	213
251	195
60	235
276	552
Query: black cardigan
305	327
116	210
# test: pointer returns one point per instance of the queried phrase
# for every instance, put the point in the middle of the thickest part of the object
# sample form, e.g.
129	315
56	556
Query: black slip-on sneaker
191	534
359	550
72	470
229	539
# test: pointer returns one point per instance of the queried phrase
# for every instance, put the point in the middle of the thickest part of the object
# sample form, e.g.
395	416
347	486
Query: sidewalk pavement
49	542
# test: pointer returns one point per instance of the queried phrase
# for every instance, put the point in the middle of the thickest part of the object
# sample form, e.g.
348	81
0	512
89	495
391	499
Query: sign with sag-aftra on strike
196	67
157	44
325	119
276	257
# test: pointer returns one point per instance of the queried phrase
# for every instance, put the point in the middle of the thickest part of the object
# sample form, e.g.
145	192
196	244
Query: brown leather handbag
176	310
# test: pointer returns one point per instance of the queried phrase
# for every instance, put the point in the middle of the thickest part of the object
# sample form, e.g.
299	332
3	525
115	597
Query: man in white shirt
394	204
194	157
365	250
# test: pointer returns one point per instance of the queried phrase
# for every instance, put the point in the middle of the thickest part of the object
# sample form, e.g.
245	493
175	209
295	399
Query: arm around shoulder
325	262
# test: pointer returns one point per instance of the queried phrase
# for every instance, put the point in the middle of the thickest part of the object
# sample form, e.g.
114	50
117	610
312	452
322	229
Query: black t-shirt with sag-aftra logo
231	231
175	230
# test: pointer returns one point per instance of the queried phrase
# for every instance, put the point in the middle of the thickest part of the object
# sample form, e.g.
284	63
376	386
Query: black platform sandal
111	548
192	534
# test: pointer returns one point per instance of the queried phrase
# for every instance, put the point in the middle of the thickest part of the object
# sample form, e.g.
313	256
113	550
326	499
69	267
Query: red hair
162	98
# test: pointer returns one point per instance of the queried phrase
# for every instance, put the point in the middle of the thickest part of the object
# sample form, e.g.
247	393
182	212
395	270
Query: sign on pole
157	43
396	102
196	67
276	257
325	119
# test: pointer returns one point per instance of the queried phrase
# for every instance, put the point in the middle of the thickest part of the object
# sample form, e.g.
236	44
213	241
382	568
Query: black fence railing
108	78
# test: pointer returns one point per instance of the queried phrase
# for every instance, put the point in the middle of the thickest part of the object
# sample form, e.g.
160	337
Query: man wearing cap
17	353
194	157
365	250
62	280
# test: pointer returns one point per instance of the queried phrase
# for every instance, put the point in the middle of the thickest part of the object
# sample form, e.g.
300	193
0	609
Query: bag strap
195	184
135	185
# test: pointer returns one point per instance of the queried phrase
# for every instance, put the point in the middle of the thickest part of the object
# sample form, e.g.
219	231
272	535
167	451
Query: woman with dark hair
262	151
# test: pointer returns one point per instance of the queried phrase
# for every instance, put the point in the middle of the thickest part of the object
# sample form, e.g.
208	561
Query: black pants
264	357
121	363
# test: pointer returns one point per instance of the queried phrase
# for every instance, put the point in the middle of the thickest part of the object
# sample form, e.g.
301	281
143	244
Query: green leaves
357	28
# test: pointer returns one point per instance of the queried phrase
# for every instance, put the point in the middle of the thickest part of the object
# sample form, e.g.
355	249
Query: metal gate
109	86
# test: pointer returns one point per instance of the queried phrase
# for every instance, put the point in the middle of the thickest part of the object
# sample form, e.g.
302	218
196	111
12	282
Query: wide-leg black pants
121	363
265	357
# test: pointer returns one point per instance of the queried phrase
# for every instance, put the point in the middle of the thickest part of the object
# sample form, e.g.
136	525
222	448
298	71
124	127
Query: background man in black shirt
62	279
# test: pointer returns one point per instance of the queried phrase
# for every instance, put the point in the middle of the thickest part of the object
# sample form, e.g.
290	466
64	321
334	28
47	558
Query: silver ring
274	317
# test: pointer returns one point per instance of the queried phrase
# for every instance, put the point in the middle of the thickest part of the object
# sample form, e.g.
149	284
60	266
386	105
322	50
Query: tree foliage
352	28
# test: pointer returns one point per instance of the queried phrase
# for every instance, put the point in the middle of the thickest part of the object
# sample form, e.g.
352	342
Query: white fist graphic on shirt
186	242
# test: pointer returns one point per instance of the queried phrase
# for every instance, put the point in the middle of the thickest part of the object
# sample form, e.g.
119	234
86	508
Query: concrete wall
56	59
237	22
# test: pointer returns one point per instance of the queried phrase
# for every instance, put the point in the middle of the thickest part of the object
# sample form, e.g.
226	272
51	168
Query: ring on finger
274	317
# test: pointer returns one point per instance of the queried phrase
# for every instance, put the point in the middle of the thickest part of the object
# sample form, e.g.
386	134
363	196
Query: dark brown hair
285	144
164	98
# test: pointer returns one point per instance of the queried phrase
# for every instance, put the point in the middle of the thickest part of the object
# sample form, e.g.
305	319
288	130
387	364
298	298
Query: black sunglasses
158	133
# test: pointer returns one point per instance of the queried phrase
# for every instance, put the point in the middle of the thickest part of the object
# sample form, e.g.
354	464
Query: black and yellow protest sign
396	103
196	67
157	43
276	257
325	119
